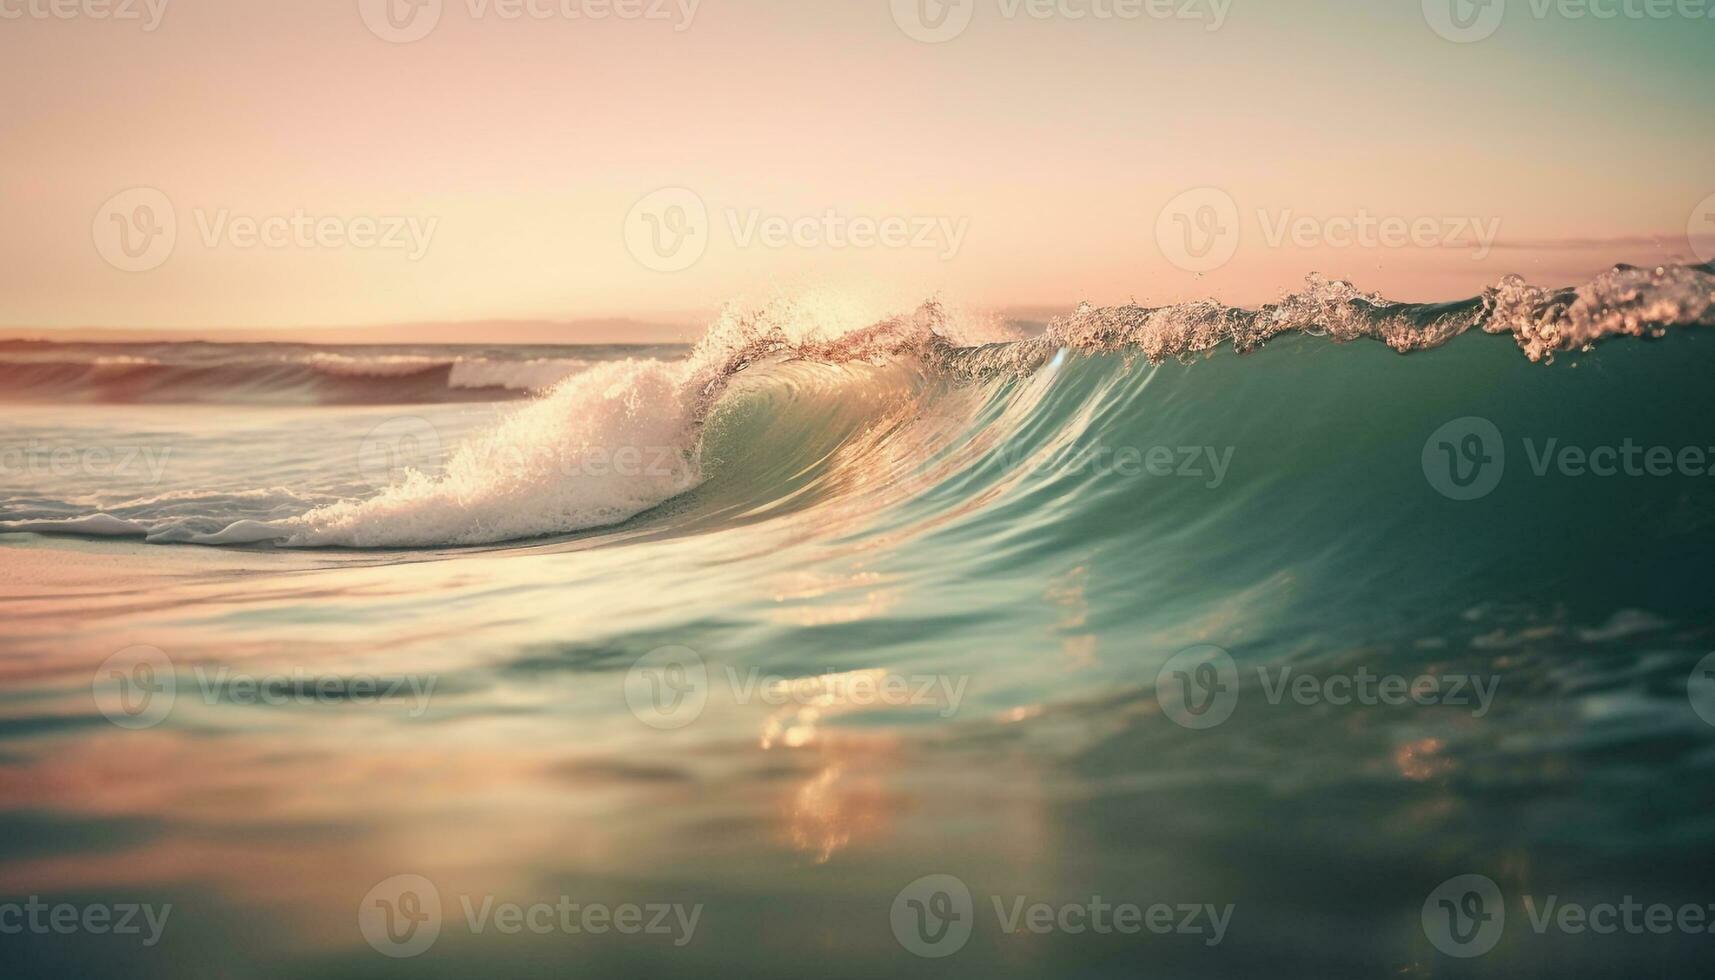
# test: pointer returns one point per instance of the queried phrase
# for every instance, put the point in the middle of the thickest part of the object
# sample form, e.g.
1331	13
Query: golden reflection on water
1066	592
300	812
814	699
844	801
845	798
797	593
1422	760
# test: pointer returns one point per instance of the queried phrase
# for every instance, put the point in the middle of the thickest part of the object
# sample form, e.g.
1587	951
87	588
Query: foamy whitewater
545	469
781	624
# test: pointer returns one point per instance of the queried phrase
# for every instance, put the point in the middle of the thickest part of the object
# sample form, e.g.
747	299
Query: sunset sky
1024	162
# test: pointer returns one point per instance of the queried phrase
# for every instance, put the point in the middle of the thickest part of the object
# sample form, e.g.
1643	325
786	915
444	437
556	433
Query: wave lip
537	474
550	468
1625	301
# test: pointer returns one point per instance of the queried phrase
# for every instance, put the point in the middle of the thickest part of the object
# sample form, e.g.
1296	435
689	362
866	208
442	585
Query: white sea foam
537	375
373	366
618	438
1624	301
603	446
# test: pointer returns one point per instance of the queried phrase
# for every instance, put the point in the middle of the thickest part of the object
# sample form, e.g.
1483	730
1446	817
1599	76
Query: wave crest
1625	301
549	468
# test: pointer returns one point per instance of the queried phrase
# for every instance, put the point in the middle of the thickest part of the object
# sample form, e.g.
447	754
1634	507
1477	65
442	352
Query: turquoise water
1281	643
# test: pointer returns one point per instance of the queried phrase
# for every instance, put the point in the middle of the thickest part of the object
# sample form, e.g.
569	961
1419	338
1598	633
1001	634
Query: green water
1004	600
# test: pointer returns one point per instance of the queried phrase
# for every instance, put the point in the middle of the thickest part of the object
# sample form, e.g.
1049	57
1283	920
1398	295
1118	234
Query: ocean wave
531	476
912	408
321	377
1625	301
534	374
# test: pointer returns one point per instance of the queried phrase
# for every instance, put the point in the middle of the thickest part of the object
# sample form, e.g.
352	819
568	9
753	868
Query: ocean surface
1338	637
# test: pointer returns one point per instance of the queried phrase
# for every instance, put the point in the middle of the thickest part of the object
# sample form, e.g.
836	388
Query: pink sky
1027	160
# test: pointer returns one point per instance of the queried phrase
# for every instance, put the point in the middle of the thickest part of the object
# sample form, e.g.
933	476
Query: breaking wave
790	406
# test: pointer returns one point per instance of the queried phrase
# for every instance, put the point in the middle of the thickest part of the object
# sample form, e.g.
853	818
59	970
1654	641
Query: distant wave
887	393
537	374
58	374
